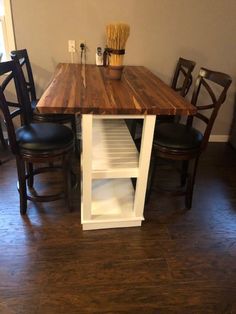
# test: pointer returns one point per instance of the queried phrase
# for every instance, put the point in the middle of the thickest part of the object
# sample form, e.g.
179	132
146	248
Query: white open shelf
114	154
113	202
109	160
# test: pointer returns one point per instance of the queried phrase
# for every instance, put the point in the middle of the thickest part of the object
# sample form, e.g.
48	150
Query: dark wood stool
23	58
34	143
183	142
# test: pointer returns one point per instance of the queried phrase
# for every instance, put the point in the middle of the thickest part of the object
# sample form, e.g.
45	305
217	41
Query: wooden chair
183	142
181	83
23	58
182	79
34	143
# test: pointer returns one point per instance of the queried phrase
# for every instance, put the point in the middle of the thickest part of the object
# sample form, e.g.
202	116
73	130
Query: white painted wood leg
144	162
109	160
87	124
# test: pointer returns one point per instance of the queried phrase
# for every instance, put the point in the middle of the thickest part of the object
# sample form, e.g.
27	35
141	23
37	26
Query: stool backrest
14	73
23	58
212	87
182	79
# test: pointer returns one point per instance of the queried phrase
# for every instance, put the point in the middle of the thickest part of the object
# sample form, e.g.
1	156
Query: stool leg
133	128
74	129
30	170
67	181
184	172
2	138
190	186
22	185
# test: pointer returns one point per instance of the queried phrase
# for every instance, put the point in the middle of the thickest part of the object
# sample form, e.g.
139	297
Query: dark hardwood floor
177	262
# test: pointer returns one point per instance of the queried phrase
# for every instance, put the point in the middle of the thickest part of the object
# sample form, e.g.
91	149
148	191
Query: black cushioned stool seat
39	148
177	136
44	136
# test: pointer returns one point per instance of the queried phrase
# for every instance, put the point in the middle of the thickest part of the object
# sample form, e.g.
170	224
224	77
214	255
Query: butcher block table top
85	89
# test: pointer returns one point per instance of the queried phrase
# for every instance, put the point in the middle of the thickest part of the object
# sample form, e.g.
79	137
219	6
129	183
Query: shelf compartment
112	205
114	154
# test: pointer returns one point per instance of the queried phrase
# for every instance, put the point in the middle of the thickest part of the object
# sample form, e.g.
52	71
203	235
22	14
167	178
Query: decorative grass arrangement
116	35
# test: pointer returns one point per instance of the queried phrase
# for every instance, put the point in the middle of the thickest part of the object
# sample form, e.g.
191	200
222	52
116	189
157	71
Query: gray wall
161	31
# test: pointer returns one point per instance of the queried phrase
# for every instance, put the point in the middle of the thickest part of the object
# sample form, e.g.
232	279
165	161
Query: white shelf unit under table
109	160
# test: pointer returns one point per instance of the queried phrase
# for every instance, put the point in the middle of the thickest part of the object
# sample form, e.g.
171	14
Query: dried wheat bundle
117	35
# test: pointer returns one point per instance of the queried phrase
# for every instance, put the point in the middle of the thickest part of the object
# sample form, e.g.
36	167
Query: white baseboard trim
219	138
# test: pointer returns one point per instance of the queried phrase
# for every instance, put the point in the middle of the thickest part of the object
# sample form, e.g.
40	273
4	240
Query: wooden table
109	156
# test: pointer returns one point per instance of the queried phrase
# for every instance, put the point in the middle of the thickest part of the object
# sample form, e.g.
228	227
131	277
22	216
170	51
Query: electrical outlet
82	42
71	45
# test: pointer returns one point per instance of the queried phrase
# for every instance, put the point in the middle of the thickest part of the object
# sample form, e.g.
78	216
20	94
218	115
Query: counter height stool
34	143
183	142
23	58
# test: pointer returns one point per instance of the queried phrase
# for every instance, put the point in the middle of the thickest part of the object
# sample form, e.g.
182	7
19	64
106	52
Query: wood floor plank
177	262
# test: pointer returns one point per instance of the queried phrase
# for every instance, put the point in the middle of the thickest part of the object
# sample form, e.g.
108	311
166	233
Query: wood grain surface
86	89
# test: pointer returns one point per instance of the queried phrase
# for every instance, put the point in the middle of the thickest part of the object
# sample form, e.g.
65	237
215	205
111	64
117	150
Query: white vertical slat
87	124
144	161
114	152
